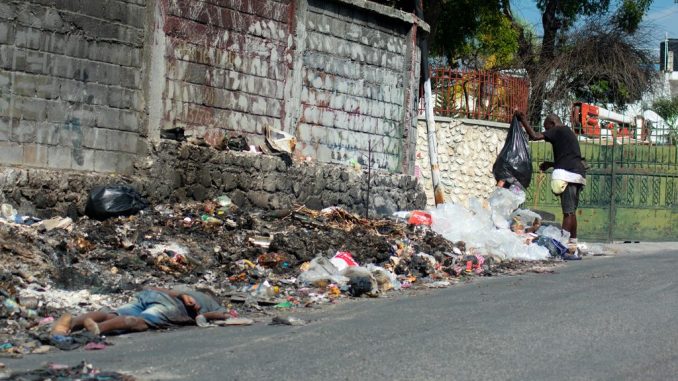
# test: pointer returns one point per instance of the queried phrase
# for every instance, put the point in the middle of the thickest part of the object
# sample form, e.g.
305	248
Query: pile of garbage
260	263
498	227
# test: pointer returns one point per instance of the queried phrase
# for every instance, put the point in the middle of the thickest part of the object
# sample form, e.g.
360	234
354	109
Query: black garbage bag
514	162
112	201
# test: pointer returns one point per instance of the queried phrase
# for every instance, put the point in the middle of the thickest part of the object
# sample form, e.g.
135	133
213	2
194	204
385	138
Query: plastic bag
514	161
385	279
112	201
475	227
563	236
525	217
361	281
322	270
503	202
555	248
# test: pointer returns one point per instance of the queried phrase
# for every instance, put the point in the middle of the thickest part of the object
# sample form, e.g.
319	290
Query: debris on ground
288	320
81	372
258	262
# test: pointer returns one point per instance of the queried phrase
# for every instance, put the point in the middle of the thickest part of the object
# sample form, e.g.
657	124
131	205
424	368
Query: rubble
82	371
255	261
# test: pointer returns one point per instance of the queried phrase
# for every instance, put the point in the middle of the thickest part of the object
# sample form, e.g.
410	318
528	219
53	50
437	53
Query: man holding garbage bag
569	174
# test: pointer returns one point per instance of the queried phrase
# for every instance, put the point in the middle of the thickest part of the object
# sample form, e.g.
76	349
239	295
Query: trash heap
498	227
260	263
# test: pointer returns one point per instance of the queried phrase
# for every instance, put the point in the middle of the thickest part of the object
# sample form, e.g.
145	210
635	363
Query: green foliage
496	41
667	108
630	13
560	15
475	31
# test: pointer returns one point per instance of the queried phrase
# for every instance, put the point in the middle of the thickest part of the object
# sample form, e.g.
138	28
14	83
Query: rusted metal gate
632	184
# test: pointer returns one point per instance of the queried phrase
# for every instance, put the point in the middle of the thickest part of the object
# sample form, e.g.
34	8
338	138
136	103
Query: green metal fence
632	185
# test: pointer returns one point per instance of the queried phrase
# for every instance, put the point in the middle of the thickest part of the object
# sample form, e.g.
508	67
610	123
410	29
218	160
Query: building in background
668	63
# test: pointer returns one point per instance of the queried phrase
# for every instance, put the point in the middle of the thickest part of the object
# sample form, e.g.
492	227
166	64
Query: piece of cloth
566	152
71	341
567	176
157	309
558	186
569	199
207	303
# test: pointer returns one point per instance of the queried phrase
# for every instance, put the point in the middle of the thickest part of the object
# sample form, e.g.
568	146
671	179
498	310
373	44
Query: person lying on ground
151	308
569	175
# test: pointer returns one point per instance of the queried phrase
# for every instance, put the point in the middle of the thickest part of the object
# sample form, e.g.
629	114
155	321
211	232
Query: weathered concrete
467	150
70	78
89	87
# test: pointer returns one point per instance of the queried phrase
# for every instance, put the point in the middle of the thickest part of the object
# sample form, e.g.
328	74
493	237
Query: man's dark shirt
566	152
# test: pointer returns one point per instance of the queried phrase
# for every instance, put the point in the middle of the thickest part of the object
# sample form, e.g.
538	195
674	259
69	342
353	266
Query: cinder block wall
88	85
357	83
225	65
70	83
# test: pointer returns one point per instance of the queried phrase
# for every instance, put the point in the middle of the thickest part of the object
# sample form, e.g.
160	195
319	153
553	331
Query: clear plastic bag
502	204
321	269
562	236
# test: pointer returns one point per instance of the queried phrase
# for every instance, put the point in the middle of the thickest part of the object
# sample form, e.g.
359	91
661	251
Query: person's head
190	302
552	120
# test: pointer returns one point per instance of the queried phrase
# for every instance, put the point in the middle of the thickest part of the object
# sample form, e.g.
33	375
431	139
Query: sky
662	18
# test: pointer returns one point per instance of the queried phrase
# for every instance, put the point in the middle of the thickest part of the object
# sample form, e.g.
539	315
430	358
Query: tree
667	108
561	45
477	32
601	66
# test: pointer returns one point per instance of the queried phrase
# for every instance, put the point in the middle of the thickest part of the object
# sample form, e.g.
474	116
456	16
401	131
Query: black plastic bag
112	201
514	162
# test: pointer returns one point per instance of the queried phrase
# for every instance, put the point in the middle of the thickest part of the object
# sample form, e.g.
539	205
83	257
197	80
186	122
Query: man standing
569	172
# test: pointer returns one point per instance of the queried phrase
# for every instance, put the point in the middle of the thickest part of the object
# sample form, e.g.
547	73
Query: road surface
603	318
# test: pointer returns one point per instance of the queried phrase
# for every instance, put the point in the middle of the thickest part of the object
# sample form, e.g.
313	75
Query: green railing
631	192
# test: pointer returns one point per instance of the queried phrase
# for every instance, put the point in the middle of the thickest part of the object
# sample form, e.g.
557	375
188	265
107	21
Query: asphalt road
603	318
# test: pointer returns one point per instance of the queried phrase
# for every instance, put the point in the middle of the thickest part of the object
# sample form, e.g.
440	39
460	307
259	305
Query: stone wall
272	182
467	150
70	83
180	171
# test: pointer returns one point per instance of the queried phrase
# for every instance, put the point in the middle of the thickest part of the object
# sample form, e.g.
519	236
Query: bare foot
62	327
91	326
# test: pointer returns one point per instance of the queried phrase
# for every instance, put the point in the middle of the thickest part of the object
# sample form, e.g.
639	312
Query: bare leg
98	317
570	224
122	323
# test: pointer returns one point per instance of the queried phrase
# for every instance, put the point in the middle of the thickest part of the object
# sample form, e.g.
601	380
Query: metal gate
632	183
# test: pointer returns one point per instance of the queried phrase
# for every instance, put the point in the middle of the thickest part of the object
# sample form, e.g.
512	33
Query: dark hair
553	119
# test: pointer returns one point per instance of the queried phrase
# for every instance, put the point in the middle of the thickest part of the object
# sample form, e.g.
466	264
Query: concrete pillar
154	68
295	59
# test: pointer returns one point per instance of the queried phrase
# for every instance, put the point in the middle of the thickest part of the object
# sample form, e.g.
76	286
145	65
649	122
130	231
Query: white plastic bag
322	269
502	203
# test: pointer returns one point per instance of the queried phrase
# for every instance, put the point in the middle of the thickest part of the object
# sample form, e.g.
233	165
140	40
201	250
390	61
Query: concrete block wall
226	65
336	74
467	150
70	83
90	85
354	85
